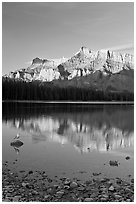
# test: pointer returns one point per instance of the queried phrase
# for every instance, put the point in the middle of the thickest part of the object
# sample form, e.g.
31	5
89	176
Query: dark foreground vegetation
20	90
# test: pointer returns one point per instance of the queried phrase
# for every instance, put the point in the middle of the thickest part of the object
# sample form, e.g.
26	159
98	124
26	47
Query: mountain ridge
83	63
87	75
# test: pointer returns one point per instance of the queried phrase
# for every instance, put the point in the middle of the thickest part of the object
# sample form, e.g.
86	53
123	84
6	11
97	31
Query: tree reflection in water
86	127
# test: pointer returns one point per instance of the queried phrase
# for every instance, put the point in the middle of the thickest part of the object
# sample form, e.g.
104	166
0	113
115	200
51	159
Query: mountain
104	71
83	63
43	70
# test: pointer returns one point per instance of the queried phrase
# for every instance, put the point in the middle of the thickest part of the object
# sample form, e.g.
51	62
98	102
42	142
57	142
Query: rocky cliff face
83	63
43	70
86	62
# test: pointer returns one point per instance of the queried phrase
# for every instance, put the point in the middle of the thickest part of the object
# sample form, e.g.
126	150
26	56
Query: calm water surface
71	140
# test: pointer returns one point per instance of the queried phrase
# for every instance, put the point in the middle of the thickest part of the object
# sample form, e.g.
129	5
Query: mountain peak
85	50
83	63
37	60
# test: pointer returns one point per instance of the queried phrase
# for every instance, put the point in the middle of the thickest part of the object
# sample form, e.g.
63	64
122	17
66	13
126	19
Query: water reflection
87	128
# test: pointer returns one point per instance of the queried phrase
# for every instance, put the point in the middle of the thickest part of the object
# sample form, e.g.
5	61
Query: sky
51	30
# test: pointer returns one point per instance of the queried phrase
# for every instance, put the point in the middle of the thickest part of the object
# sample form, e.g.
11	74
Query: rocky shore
38	186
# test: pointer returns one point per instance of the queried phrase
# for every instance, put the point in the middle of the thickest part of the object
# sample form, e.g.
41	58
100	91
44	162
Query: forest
20	90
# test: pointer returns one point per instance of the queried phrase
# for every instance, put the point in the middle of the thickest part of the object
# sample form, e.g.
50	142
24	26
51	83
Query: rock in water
127	158
111	188
113	163
16	143
73	185
88	200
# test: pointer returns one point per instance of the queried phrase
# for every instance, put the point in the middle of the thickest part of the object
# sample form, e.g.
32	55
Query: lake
75	140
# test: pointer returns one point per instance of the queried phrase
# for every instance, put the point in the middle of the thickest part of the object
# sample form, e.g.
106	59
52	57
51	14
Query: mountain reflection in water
86	127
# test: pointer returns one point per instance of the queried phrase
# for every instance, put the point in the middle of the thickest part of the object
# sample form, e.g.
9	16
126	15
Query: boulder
16	143
113	163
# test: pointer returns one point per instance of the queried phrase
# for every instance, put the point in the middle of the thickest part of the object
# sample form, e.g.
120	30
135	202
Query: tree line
21	90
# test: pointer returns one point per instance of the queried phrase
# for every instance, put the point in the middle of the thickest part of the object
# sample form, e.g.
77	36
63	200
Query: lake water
73	140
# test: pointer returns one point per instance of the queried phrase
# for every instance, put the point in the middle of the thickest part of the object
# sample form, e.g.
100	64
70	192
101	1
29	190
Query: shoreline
72	102
37	186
